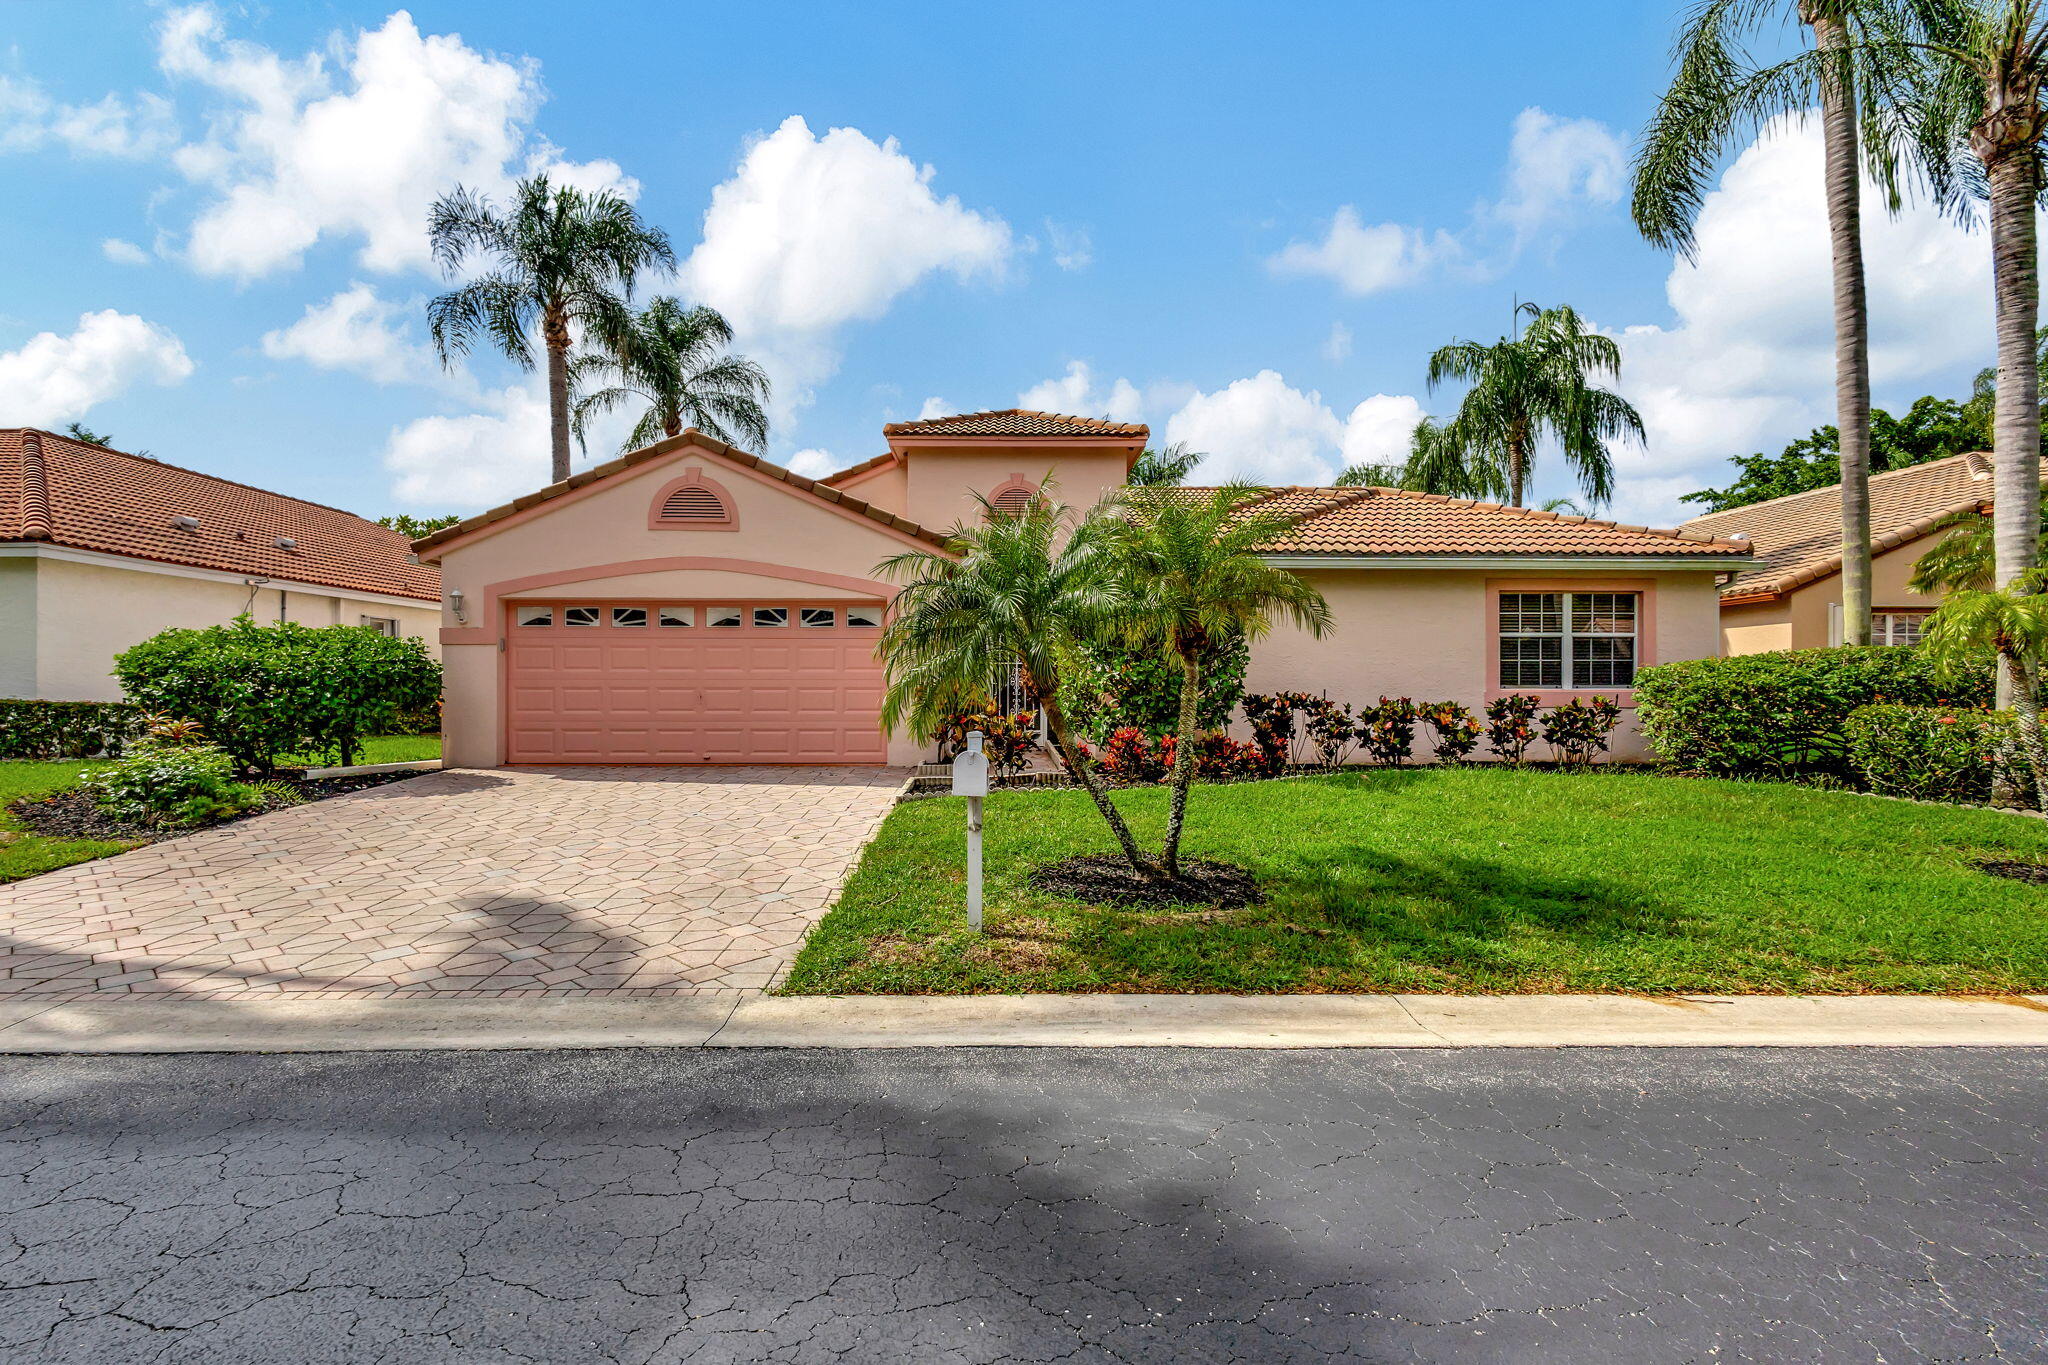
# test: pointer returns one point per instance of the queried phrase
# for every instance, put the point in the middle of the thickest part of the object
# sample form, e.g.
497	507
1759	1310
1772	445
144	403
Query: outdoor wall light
455	604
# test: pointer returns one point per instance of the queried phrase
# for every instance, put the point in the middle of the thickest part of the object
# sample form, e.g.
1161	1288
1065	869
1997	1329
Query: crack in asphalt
661	1207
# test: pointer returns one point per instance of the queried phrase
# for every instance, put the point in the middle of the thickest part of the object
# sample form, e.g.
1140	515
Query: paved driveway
562	881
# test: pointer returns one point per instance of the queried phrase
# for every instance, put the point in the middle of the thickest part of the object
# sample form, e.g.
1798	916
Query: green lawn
1466	880
24	855
378	749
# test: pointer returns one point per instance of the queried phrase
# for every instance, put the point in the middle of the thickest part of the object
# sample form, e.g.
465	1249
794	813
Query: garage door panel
748	694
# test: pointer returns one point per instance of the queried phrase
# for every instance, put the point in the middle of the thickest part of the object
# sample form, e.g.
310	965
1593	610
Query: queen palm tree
558	260
672	358
1966	557
1186	572
1436	463
1021	588
1164	468
2012	624
1533	385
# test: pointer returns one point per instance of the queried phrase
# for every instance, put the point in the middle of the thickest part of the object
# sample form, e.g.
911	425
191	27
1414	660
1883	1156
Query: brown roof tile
1016	422
64	492
812	487
1798	539
839	475
1392	521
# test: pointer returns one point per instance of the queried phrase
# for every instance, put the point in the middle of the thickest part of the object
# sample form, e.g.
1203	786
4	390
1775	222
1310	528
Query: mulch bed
1106	878
2037	873
71	814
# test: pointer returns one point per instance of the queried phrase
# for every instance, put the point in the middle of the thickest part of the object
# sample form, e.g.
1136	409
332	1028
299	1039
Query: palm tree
1164	468
1021	588
1978	84
1187	571
1437	463
2012	623
557	259
1718	98
1527	387
1965	558
672	358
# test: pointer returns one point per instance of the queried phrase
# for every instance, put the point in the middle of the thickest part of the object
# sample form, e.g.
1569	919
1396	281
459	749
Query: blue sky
1245	226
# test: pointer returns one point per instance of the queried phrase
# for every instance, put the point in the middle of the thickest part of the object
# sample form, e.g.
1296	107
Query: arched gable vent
1012	498
692	501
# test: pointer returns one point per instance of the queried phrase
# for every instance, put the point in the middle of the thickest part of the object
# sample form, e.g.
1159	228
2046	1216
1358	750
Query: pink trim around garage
1646	633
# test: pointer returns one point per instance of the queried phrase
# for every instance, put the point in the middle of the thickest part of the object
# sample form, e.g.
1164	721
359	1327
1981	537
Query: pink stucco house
691	603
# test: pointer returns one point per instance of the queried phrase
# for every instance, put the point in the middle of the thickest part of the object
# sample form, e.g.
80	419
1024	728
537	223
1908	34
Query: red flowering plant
1577	731
1331	729
1456	729
1218	757
1272	718
1388	729
1511	726
1129	755
1009	739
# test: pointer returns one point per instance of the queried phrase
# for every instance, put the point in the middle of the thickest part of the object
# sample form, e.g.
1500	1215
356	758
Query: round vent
692	503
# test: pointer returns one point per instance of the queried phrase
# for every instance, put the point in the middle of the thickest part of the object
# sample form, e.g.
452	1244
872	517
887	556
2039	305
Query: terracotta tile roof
63	492
692	436
836	476
1393	521
1798	539
1016	422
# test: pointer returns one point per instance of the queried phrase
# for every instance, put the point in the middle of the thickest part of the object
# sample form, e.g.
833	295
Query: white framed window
771	616
677	616
721	616
383	625
1568	640
582	616
864	618
535	616
818	618
1898	627
629	616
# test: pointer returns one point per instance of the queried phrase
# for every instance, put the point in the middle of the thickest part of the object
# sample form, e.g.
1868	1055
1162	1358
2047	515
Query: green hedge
1786	713
1108	687
65	729
1932	753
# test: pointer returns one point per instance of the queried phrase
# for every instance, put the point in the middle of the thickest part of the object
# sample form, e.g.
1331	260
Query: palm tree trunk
1063	742
555	334
2026	706
1852	319
2016	421
1183	757
1518	468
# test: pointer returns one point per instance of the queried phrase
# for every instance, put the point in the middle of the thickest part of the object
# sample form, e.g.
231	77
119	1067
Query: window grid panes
1899	627
580	616
678	616
629	616
536	616
1591	635
771	616
818	618
721	616
868	617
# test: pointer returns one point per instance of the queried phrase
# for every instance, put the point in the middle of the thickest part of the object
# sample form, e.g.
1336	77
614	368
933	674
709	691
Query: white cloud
51	378
1261	430
1075	393
1555	166
814	232
357	142
123	252
813	463
1367	259
1379	429
1748	364
474	460
1072	247
111	126
355	331
1337	346
934	407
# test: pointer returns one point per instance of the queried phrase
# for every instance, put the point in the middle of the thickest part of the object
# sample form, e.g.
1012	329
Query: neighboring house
1791	598
691	603
101	549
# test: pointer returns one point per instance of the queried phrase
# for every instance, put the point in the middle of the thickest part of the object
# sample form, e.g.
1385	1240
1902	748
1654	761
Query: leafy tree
1187	571
1021	588
557	260
78	431
1436	464
1931	429
1165	468
418	528
1528	387
1717	98
672	357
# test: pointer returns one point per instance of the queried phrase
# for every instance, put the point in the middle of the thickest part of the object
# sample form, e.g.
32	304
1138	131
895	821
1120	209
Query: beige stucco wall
85	614
942	482
581	541
1428	635
17	627
1799	620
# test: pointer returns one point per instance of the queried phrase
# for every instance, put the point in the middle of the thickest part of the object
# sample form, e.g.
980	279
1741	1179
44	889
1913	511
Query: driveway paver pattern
555	881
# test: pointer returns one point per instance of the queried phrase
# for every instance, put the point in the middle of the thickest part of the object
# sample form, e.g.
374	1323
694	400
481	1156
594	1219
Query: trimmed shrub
1786	713
261	691
1578	730
66	729
1511	726
1008	740
1456	729
1272	718
158	782
1105	687
1931	753
1388	729
1129	755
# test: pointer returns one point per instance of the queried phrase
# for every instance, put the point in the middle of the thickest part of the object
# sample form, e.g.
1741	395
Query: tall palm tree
1964	559
557	260
1187	571
1534	385
1164	468
672	358
2011	623
1436	463
1718	98
1021	588
1977	94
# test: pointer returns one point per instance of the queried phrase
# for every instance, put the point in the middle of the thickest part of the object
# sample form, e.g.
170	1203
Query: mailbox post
970	779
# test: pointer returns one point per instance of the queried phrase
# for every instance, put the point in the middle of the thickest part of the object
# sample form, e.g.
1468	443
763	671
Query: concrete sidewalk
1364	1021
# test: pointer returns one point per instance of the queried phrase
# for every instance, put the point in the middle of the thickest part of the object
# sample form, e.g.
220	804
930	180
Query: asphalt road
982	1205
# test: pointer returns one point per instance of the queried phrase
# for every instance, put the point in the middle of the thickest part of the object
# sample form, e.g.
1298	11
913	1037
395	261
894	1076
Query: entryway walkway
511	882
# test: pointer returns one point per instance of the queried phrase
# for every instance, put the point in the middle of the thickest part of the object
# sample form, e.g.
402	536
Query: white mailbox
970	768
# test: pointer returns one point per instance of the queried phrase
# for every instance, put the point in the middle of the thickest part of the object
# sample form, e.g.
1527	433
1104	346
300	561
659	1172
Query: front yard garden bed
1486	880
71	814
